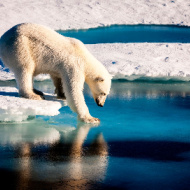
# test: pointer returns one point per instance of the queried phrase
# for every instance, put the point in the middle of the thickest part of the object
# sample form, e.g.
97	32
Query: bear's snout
99	103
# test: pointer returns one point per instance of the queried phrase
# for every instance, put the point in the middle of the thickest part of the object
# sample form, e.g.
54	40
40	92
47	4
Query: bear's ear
99	79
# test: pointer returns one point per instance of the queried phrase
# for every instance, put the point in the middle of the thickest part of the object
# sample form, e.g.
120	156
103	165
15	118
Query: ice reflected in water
41	156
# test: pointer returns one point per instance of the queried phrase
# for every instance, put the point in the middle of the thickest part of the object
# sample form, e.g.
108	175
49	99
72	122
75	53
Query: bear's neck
93	70
92	67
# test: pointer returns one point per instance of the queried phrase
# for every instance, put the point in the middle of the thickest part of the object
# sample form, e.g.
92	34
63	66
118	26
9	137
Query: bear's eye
103	94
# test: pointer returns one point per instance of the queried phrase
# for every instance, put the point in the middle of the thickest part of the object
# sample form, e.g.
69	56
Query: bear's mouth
98	103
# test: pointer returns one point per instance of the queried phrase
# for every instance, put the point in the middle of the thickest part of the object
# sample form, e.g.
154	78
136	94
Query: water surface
142	142
132	34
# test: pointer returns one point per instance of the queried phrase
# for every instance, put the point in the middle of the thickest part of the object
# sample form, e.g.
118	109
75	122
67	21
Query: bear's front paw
90	120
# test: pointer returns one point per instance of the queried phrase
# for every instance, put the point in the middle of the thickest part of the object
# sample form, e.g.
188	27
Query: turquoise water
132	34
142	143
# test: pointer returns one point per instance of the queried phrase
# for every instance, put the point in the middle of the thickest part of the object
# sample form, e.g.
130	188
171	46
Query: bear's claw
91	120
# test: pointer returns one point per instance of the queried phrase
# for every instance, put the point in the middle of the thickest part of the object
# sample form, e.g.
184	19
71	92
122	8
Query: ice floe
76	14
137	60
145	60
17	109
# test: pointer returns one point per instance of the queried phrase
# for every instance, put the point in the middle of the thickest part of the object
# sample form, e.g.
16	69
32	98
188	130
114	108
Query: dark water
132	34
142	143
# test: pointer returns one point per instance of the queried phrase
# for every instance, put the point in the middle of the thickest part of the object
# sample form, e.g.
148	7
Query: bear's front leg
73	88
78	105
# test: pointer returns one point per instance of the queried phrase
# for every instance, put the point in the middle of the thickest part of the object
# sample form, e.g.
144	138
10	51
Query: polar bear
30	49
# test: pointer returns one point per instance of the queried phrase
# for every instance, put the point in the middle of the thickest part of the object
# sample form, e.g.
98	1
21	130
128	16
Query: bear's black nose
98	103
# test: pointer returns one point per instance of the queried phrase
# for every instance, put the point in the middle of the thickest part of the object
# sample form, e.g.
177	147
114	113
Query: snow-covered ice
138	60
75	14
145	60
122	60
18	109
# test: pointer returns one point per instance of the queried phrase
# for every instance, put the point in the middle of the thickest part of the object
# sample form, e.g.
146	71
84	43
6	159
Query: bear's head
100	88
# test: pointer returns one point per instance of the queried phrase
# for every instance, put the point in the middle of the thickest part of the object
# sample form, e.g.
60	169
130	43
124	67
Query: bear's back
35	33
30	30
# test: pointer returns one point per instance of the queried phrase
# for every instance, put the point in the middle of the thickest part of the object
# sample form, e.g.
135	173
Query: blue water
132	34
142	143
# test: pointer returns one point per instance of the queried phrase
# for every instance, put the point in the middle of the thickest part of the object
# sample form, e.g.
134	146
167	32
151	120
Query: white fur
30	49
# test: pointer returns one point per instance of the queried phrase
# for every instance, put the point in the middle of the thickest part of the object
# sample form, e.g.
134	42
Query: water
132	34
142	142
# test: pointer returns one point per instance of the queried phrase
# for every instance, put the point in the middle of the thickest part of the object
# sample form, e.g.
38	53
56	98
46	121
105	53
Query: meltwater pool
132	34
142	143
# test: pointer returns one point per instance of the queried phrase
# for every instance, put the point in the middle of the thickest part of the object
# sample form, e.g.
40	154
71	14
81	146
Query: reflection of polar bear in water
31	49
71	164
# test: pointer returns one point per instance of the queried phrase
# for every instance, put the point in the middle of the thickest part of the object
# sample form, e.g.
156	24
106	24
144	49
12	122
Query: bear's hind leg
24	80
58	87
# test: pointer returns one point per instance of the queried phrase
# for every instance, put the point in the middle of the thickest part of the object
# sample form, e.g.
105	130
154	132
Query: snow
145	60
75	14
17	109
138	60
